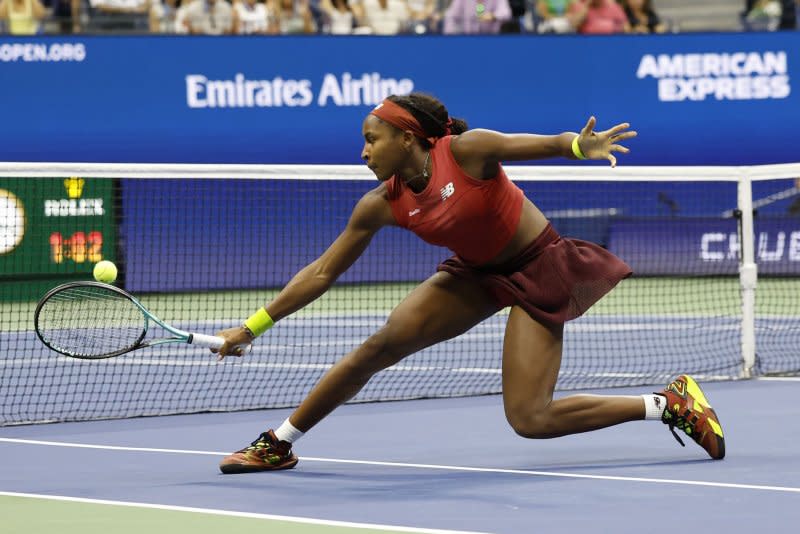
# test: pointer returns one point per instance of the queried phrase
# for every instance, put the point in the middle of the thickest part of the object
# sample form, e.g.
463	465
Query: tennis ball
105	271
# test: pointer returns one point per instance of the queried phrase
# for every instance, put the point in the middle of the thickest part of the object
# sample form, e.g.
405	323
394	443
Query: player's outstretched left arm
490	146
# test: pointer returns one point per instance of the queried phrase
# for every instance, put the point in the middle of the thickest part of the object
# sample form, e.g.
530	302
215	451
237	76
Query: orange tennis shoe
266	453
688	409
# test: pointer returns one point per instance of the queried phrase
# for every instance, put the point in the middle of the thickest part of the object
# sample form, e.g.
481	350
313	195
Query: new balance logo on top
413	212
447	191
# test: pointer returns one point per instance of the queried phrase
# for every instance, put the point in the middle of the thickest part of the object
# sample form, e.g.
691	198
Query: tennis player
446	184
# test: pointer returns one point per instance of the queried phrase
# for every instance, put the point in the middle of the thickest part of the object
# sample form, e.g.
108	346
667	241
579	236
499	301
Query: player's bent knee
534	424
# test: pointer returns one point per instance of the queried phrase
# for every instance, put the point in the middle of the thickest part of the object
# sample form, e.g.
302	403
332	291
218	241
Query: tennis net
203	246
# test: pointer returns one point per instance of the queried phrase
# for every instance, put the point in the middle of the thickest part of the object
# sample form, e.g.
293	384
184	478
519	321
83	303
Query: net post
748	273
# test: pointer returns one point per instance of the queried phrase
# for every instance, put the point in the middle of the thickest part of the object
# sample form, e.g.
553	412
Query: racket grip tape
213	342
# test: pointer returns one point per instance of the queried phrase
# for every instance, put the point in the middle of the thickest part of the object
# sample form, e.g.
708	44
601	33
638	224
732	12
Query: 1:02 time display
80	247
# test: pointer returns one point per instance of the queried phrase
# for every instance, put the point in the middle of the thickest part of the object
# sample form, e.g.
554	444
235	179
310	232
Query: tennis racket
92	320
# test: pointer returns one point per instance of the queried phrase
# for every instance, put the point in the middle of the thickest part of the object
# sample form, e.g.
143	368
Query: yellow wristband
576	148
259	322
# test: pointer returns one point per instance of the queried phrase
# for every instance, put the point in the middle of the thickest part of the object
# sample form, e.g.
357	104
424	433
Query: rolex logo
74	186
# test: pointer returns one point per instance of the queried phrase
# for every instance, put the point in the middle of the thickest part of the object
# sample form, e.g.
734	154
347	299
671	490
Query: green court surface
27	515
687	296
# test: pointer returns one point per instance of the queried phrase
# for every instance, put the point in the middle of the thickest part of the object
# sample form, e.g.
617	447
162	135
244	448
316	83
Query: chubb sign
770	246
718	76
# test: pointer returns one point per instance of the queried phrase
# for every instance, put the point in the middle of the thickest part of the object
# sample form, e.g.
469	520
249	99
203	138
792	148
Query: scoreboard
53	230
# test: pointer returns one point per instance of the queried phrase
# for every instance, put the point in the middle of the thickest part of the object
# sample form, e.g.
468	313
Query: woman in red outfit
445	183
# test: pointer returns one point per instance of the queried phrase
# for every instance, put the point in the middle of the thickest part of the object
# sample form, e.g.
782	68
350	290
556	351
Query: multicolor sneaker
688	409
265	454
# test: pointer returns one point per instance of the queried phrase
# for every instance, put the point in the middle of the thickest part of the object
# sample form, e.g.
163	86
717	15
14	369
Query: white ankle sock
654	406
287	432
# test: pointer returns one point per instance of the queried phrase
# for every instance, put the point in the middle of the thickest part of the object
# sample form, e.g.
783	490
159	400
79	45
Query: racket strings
90	322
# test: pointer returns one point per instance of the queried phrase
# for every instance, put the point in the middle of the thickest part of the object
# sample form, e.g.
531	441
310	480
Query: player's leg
440	308
531	361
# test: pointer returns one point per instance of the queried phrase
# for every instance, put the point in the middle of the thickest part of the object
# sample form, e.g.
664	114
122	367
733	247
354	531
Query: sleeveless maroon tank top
474	218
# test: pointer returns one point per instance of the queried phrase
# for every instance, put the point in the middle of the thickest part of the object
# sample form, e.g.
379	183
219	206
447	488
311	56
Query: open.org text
42	52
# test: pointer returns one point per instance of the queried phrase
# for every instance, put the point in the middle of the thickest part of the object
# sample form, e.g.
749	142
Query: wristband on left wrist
576	148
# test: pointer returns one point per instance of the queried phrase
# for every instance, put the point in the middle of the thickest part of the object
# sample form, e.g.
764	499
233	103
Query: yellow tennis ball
105	271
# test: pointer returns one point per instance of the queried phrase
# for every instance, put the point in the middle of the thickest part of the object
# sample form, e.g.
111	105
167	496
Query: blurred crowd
377	17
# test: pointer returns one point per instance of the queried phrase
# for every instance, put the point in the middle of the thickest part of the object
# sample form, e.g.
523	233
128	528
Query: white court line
780	378
554	474
249	515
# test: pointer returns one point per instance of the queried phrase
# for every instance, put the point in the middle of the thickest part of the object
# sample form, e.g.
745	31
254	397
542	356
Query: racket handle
213	342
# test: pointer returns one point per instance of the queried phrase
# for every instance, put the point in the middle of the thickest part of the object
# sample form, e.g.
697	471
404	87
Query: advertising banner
696	99
698	246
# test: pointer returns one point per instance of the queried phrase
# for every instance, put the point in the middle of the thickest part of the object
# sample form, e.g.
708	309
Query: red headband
399	117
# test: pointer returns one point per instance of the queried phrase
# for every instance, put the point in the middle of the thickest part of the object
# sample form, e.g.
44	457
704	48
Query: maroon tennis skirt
554	279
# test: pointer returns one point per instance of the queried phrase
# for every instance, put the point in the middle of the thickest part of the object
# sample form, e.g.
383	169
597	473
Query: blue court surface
426	466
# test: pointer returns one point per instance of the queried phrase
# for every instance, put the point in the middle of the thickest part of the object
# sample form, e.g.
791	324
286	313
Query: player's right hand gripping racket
92	320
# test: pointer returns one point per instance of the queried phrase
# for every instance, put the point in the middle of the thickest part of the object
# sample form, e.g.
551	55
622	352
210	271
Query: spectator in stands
790	11
294	16
208	17
598	17
424	17
763	15
119	15
357	7
642	17
552	16
253	17
66	14
789	14
471	17
797	14
181	27
519	9
162	16
23	16
339	17
386	17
